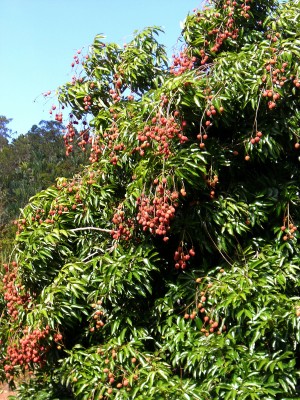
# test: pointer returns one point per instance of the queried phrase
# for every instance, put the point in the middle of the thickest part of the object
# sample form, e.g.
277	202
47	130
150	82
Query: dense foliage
168	268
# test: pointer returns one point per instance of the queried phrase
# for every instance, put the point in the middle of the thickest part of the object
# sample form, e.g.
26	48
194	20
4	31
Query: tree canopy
5	132
168	267
32	162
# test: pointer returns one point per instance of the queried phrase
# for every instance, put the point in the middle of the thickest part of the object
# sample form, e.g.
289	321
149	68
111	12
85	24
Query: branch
90	255
91	228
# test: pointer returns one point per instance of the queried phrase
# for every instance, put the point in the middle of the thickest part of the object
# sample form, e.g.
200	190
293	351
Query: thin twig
216	246
90	255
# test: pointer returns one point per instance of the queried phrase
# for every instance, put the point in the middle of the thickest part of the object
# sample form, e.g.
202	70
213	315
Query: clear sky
38	39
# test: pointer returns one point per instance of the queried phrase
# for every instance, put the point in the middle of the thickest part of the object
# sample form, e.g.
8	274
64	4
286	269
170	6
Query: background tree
5	132
30	163
168	268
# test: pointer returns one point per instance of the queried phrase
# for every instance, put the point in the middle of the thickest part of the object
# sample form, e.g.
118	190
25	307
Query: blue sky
38	39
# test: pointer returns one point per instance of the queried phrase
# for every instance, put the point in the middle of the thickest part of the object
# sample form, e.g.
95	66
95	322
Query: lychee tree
169	267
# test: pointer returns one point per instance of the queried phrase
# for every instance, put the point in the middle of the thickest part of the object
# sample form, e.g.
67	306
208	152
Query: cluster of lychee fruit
14	295
182	256
98	316
29	350
159	133
122	227
288	231
210	325
156	211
